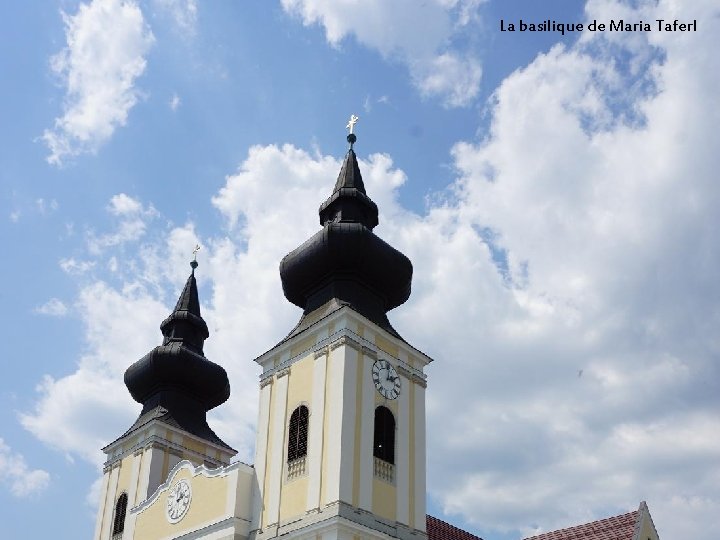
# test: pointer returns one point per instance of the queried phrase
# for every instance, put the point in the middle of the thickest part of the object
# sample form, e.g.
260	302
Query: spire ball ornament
194	263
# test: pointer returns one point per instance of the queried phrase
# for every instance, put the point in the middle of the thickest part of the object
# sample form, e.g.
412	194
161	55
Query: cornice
348	338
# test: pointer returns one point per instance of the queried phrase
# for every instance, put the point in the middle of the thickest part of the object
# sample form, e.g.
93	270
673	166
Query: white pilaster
349	416
317	424
261	445
277	446
155	466
367	432
341	423
420	465
402	453
110	503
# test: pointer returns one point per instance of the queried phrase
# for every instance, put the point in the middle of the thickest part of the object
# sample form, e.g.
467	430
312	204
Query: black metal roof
176	377
345	261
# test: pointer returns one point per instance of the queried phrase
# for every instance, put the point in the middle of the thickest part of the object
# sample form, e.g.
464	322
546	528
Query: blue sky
556	194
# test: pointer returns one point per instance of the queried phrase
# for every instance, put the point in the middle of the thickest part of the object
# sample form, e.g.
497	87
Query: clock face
178	501
386	379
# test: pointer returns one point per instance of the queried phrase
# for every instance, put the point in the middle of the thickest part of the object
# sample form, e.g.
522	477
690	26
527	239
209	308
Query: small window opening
384	440
119	519
298	433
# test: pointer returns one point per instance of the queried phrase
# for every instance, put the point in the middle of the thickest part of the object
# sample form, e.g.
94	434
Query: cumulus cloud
18	476
417	35
107	41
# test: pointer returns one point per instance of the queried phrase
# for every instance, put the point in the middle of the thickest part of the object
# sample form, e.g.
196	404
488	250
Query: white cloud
455	79
46	207
53	307
417	35
174	102
123	205
15	216
107	41
14	472
71	265
183	13
132	224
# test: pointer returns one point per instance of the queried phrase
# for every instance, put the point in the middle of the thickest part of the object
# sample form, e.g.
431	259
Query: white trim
109	513
420	463
352	317
402	456
335	387
367	433
316	431
277	448
194	470
261	445
349	416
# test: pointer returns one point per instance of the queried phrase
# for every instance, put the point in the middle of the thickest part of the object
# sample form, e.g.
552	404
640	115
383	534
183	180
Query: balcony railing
296	468
384	471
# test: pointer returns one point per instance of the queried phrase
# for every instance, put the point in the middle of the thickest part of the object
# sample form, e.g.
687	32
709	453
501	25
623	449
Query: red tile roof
437	529
613	528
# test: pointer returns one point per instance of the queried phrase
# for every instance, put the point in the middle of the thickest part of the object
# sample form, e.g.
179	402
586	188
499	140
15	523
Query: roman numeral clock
386	379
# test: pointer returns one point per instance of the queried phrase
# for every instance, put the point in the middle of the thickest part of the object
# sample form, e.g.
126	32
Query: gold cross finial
351	123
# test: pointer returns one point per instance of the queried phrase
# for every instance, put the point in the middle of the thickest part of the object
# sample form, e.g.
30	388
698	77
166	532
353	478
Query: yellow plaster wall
387	346
300	385
384	500
293	498
125	476
194	445
208	505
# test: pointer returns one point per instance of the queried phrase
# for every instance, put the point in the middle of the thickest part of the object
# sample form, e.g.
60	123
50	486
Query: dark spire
349	201
175	377
345	263
185	324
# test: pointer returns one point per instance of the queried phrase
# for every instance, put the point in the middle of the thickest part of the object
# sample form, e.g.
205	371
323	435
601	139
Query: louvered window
384	440
119	519
298	433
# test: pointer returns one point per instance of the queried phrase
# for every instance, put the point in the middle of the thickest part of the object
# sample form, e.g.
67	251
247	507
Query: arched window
297	435
119	519
384	440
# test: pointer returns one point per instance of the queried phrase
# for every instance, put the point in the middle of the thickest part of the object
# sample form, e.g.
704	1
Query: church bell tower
340	449
176	386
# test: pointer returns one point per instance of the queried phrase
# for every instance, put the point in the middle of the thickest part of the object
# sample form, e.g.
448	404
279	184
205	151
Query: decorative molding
194	471
268	379
367	351
348	340
282	372
322	351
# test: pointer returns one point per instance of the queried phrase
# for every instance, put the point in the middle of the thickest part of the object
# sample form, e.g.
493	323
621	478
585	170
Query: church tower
176	386
340	449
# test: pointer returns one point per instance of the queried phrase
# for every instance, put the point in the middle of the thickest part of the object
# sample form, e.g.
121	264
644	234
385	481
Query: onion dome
345	263
175	381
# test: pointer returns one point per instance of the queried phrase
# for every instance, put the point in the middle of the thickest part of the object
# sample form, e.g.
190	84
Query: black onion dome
346	261
176	375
